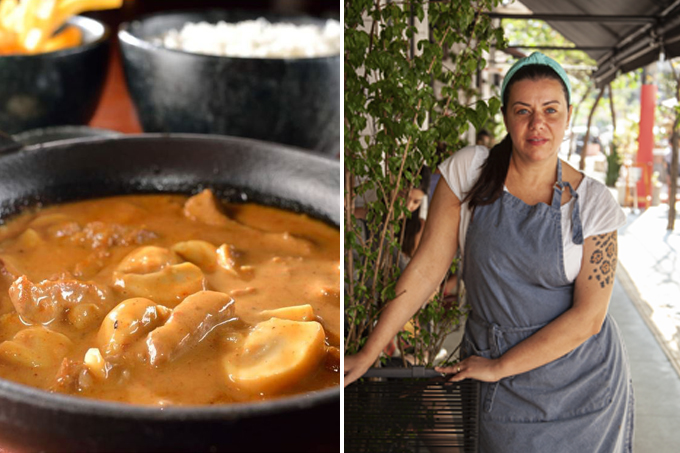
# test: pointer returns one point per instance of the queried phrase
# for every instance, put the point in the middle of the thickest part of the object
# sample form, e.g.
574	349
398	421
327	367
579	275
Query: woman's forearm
555	340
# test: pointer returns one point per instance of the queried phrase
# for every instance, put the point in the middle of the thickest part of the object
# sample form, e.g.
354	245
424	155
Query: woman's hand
474	367
356	366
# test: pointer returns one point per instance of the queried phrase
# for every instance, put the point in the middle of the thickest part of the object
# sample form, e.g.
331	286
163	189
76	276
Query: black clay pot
291	101
236	169
55	88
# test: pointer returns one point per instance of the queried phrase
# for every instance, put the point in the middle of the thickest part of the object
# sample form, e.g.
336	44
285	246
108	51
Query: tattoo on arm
604	258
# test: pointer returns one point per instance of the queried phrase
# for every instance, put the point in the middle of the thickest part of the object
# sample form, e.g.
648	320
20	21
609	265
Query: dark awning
620	35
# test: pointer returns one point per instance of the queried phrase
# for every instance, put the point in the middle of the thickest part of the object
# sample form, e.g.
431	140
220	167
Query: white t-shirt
600	213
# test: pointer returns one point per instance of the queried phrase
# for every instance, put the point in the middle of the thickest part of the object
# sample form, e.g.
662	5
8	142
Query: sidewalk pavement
646	306
655	382
649	271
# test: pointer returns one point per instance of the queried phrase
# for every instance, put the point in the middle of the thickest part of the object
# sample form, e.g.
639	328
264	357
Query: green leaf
494	105
420	13
388	96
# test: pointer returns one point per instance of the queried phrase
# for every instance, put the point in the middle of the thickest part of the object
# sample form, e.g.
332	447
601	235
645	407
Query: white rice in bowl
255	39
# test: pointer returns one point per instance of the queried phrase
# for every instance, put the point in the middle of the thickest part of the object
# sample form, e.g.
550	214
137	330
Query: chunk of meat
128	322
147	259
50	300
205	208
8	273
276	355
66	379
75	376
166	287
36	347
191	321
102	235
92	264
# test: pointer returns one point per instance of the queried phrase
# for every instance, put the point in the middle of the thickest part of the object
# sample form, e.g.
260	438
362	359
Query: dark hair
425	175
412	225
489	186
483	133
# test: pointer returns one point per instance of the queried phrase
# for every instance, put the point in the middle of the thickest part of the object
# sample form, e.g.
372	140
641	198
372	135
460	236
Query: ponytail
489	186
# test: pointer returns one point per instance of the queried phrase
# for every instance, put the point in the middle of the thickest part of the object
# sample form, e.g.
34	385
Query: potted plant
409	69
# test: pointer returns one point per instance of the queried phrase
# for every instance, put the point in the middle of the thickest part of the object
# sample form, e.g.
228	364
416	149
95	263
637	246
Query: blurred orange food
35	26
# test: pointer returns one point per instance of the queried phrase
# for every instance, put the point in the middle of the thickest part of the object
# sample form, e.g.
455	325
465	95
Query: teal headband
536	58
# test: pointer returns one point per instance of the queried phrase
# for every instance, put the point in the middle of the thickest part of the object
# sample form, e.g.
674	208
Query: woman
539	245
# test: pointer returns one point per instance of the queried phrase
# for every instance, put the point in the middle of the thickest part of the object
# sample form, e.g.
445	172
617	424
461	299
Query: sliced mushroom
294	313
227	260
277	354
45	220
166	287
96	365
191	322
36	347
30	239
204	208
201	253
145	260
128	322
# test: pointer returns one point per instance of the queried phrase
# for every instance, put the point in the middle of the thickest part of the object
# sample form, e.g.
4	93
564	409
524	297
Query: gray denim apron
514	275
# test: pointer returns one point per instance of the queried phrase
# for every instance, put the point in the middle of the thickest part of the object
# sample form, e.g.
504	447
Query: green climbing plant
408	71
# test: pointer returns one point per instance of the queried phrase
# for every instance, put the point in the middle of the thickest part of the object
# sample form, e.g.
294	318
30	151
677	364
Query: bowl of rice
240	73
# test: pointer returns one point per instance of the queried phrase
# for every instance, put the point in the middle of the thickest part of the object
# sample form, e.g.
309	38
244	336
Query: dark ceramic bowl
236	169
55	88
292	101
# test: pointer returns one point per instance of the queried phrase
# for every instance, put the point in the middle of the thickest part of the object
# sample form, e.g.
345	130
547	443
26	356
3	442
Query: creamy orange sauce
64	269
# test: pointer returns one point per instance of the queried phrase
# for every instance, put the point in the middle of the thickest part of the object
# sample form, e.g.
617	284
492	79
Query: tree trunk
611	107
584	151
673	189
573	120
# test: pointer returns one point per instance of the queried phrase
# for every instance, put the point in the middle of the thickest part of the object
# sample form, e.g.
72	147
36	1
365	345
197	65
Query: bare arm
424	272
593	289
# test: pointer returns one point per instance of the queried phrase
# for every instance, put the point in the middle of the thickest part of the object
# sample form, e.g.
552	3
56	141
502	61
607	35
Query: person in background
539	246
484	139
413	228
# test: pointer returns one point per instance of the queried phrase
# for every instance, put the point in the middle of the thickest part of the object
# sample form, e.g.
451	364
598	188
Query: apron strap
577	227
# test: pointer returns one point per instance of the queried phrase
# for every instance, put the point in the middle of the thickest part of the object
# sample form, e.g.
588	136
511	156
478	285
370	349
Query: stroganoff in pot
164	299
